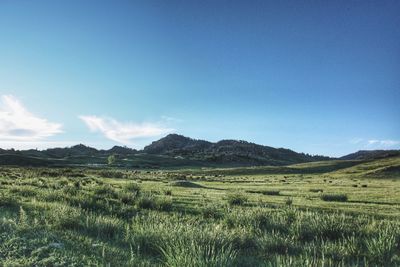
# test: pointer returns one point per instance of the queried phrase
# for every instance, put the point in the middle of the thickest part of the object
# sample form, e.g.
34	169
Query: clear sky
321	77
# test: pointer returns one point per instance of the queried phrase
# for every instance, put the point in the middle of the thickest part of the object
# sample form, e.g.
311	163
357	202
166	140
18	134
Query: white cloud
18	124
384	143
123	132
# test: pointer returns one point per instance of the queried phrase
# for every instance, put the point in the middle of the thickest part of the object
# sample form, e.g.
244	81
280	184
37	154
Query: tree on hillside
111	159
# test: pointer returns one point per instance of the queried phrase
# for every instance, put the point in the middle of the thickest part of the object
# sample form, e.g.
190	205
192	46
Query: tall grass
197	249
119	223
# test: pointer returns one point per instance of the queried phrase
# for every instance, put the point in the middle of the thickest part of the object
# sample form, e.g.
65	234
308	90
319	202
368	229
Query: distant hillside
371	154
78	150
173	143
74	151
227	152
171	151
175	151
22	160
121	150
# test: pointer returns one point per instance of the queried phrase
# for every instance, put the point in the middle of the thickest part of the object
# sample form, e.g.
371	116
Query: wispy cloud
18	124
123	132
375	143
384	143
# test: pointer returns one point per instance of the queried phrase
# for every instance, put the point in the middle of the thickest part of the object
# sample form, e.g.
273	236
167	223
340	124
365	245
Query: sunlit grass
144	218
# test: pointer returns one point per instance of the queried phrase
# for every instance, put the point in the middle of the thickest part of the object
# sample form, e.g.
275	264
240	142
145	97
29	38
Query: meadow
334	213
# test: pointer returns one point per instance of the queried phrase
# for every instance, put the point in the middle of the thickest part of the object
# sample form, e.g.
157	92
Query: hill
174	144
371	154
232	152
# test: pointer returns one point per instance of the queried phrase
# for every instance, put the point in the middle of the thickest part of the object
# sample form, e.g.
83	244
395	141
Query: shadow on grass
189	184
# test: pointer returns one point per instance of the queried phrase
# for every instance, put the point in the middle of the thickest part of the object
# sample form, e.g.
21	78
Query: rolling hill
229	152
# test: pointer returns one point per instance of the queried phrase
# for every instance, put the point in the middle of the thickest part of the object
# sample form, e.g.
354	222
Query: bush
244	239
265	192
211	212
106	191
237	199
168	192
289	201
77	184
65	217
23	191
8	201
164	204
334	197
70	190
104	227
275	243
271	192
127	198
133	188
147	202
185	183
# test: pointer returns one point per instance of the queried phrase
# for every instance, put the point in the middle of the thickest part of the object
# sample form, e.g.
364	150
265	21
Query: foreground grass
78	217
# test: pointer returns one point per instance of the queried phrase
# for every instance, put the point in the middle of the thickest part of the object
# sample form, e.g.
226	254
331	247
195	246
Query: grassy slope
382	168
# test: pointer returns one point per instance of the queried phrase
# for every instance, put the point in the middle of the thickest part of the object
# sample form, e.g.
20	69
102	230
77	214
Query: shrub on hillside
8	201
271	192
265	192
237	199
104	227
164	204
147	202
133	188
289	201
66	217
168	192
106	191
127	198
211	212
334	197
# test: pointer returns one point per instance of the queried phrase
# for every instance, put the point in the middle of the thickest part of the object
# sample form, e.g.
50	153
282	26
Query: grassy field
334	213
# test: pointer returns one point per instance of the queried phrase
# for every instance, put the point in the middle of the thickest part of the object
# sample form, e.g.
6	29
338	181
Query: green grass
97	217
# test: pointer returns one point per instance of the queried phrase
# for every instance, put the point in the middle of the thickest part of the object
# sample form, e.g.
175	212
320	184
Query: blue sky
314	76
